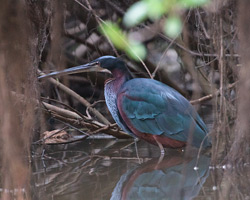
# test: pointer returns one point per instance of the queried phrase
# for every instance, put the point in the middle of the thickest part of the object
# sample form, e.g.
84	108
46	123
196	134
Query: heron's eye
95	63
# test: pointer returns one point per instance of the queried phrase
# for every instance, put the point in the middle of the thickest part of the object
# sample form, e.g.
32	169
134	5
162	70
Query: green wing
154	108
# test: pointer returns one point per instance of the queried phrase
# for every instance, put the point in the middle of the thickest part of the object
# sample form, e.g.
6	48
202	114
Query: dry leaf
55	136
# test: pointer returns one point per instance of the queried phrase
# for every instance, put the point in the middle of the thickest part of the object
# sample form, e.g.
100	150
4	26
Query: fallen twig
79	98
210	96
74	119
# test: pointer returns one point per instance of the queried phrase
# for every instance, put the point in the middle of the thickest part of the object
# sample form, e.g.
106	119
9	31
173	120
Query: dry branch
197	74
79	98
78	120
75	120
210	96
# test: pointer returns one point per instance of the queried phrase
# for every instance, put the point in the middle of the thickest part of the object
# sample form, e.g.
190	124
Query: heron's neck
119	78
111	90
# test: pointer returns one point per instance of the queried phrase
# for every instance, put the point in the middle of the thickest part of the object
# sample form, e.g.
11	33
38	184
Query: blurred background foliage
151	10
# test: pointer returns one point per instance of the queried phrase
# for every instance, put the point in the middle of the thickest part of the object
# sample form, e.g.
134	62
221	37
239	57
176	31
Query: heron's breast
110	93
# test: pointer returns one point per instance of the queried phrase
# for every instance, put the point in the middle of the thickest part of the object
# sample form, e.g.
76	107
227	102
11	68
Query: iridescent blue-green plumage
150	109
155	108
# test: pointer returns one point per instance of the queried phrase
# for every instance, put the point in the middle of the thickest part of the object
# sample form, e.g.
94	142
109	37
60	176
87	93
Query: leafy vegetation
153	10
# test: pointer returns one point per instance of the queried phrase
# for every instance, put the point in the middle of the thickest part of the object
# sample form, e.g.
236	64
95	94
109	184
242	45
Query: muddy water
101	169
110	169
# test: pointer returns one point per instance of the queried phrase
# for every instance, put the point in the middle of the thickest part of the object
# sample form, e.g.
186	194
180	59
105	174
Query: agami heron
146	108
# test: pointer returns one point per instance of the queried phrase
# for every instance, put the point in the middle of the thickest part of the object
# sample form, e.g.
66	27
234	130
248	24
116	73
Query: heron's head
109	64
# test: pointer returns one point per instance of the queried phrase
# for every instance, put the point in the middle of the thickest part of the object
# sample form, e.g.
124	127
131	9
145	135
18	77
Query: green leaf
157	8
115	34
173	26
193	3
136	50
136	14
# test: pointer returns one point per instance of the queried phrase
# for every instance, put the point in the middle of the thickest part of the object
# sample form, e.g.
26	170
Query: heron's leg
136	149
160	146
161	149
162	152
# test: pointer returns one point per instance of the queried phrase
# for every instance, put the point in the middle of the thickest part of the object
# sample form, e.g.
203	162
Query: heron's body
146	108
154	111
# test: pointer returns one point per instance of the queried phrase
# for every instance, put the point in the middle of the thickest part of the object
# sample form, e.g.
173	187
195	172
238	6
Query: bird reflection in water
173	178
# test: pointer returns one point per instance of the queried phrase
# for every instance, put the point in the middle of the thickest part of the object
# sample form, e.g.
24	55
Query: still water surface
102	169
110	169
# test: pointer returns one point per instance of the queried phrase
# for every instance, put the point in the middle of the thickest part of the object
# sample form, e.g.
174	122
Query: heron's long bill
94	66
